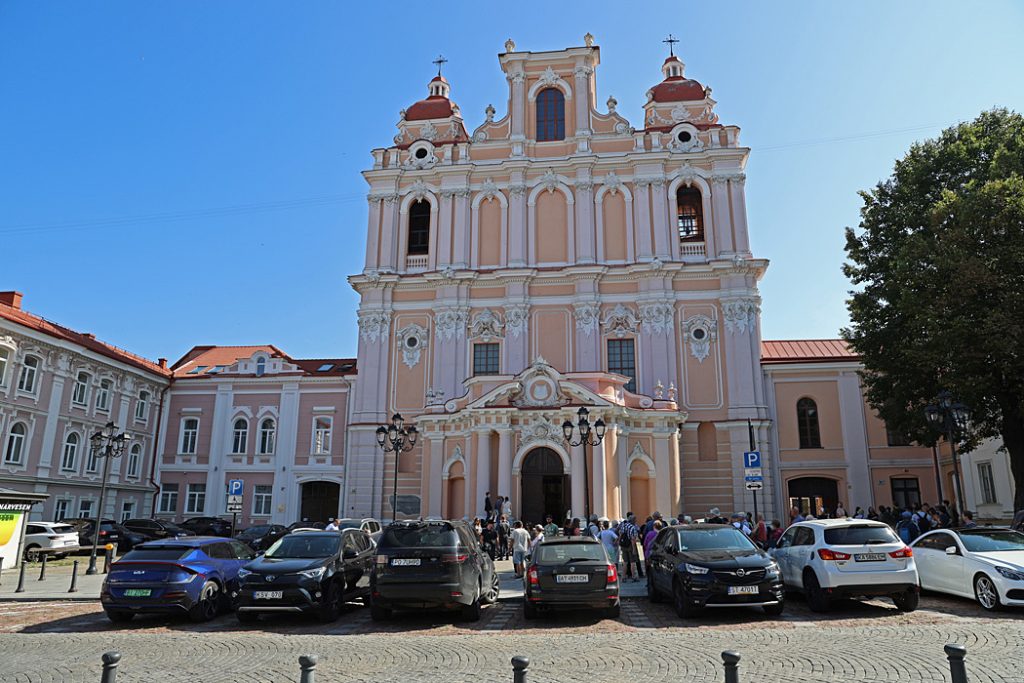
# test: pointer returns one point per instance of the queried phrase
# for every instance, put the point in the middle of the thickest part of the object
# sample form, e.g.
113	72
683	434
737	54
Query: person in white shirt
332	526
520	547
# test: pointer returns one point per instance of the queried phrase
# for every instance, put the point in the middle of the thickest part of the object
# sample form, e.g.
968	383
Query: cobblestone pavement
859	642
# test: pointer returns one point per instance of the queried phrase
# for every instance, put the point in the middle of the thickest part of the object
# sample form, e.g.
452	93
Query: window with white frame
60	509
134	458
988	483
322	435
261	366
268	430
240	439
29	373
127	510
189	436
262	495
103	395
168	498
80	394
195	501
85	509
14	453
142	406
92	462
5	356
69	458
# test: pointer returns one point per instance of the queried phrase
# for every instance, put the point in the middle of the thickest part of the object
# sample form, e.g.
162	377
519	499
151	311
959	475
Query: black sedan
110	532
207	526
155	529
571	572
712	565
261	536
307	571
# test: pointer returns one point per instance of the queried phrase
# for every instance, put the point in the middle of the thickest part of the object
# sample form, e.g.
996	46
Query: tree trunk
1013	439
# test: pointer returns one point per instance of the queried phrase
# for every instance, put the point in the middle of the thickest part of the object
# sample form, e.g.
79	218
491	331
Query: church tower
553	259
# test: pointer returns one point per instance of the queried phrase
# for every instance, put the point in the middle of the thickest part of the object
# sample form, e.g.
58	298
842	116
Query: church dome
676	87
436	105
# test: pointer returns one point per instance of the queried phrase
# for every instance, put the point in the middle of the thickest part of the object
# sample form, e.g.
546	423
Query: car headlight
696	569
314	574
242	573
773	568
1011	574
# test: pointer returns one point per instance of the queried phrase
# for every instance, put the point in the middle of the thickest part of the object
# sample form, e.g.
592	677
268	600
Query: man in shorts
520	547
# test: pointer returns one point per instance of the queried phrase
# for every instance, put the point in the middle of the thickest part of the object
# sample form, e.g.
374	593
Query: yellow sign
9	527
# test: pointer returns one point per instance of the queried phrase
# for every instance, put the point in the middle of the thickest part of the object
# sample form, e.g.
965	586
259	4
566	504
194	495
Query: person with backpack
907	528
504	531
594	528
629	533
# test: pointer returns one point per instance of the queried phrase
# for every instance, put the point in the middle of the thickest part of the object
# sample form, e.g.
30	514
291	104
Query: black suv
571	572
153	529
110	532
307	571
431	564
712	565
208	526
261	536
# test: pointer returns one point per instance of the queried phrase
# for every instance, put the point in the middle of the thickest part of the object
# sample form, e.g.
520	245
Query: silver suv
847	558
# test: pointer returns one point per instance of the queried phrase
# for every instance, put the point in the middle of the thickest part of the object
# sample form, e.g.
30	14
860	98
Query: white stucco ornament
539	430
516	319
450	323
586	315
741	314
549	181
549	77
428	131
486	325
612	182
412	340
656	317
489	190
373	325
700	332
620	321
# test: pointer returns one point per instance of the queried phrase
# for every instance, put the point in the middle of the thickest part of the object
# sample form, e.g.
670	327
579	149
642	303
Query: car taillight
103	533
455	558
532	576
905	551
826	554
613	574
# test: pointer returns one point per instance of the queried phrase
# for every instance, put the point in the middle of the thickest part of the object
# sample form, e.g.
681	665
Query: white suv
847	558
54	538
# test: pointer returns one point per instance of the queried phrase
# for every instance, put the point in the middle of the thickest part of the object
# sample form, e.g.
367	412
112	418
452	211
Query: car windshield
860	534
301	546
144	554
714	539
63	529
992	541
348	525
422	535
560	553
109	526
255	531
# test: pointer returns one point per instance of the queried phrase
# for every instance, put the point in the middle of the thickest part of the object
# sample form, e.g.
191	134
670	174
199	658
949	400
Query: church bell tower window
690	219
550	115
419	228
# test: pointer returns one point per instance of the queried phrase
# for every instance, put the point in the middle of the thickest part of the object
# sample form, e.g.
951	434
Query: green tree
938	267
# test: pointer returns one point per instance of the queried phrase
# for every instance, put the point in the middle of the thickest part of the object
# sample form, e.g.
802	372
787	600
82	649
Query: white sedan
54	538
986	564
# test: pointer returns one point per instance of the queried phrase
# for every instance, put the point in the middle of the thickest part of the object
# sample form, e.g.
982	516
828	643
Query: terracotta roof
209	357
677	89
806	351
341	366
84	339
434	107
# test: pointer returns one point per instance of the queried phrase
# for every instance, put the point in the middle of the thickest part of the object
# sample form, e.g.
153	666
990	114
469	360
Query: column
373	234
442	247
50	426
218	424
622	465
642	222
586	240
722	221
460	229
517	223
855	443
614	486
389	233
663	470
483	468
739	214
434	452
504	462
676	484
518	79
599	491
576	480
659	221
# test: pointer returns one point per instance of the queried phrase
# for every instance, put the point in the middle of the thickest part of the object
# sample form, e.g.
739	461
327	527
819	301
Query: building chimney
12	299
162	362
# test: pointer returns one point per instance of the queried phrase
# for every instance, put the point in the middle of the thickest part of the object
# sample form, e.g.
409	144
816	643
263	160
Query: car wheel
119	616
32	553
331	606
817	599
652	593
906	601
986	593
491	596
774	610
378	613
471	612
684	608
529	610
247	617
613	612
208	605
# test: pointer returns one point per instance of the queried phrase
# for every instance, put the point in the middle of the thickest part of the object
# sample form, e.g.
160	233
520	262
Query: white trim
517	461
543	84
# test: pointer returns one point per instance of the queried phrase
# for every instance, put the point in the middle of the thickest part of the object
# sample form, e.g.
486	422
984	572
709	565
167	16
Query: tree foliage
938	266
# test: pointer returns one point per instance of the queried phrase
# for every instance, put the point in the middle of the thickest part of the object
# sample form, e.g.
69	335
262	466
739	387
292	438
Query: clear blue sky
179	173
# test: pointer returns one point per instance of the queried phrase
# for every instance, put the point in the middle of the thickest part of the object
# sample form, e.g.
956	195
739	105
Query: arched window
27	379
134	458
80	394
103	395
267	433
261	366
689	215
550	115
70	455
142	406
419	228
807	423
15	444
241	436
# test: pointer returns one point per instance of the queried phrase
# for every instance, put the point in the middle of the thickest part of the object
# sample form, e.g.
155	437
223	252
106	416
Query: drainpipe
348	448
156	446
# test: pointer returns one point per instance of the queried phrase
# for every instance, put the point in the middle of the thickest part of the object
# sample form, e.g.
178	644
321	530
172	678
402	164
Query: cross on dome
440	61
671	41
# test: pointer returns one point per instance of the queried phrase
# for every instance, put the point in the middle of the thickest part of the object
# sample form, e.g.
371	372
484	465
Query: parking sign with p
752	460
235	487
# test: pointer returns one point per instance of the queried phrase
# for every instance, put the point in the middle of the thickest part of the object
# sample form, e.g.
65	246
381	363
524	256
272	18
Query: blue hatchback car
195	575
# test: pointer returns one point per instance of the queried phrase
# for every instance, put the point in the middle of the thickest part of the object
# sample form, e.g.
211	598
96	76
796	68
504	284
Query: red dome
435	107
677	90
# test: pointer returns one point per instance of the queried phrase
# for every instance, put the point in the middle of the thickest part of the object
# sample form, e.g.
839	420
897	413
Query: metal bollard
1	567
955	654
307	664
21	579
74	578
110	661
42	569
731	662
519	665
106	560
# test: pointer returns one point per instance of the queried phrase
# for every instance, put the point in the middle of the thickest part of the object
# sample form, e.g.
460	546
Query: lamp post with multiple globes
396	438
949	418
106	444
587	434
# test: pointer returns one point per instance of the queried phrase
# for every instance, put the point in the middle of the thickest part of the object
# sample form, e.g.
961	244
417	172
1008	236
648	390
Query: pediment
539	386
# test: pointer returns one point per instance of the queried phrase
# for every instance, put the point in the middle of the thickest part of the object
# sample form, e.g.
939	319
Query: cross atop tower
440	61
671	41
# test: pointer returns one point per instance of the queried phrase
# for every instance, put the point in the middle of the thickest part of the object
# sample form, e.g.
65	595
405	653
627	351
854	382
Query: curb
47	598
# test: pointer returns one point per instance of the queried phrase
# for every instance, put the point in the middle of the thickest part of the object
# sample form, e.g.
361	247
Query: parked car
571	572
312	571
712	565
305	525
197	576
154	529
207	526
847	558
261	536
110	532
367	524
982	563
56	539
436	563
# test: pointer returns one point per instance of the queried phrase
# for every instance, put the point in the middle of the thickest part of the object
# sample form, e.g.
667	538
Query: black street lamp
106	444
950	418
396	438
587	436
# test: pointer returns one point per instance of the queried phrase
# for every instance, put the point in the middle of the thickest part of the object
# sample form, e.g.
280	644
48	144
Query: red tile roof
434	107
211	356
806	351
16	315
677	89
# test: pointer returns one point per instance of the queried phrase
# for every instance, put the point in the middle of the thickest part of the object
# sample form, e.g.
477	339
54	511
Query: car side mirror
951	550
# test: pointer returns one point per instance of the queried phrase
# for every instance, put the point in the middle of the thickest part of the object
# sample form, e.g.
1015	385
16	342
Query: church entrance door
320	501
544	487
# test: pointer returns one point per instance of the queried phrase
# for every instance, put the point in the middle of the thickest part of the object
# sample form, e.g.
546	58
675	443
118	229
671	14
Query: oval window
421	153
684	136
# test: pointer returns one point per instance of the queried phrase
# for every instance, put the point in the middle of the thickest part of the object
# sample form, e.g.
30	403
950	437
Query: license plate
572	578
869	557
268	595
70	542
743	590
405	562
138	592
